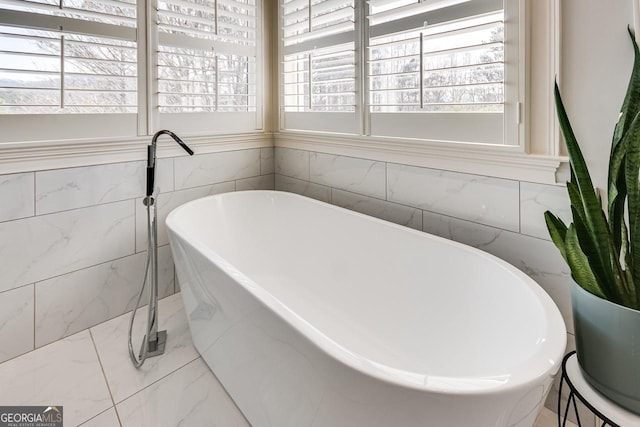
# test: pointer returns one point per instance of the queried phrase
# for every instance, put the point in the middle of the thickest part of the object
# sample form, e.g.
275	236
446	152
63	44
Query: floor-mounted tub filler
313	315
154	341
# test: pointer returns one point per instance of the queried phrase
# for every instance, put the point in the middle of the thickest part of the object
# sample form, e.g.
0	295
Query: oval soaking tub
313	315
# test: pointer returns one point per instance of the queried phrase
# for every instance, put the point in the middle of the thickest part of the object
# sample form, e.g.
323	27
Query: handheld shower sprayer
154	341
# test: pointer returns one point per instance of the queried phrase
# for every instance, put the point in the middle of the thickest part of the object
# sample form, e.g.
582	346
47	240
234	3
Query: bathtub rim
543	363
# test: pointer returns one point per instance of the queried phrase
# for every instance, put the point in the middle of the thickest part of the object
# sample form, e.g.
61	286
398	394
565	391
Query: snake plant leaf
557	231
617	190
588	247
632	168
574	198
579	264
594	218
626	258
631	104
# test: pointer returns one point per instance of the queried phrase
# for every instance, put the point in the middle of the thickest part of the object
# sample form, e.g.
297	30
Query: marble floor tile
111	342
108	418
549	418
66	373
201	401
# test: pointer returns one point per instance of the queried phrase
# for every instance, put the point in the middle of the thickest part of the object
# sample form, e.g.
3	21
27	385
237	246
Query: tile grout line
35	195
82	330
104	375
97	415
34	317
160	379
80	269
519	207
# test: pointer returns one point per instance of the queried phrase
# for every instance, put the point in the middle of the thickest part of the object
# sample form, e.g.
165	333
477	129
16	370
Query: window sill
495	161
43	155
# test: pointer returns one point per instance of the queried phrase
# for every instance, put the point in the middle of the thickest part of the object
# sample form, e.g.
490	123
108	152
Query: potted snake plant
603	252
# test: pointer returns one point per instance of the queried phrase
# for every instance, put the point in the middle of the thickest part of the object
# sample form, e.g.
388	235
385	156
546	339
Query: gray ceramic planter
608	346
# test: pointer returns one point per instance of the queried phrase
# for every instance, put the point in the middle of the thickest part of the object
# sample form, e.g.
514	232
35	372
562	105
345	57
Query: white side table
610	413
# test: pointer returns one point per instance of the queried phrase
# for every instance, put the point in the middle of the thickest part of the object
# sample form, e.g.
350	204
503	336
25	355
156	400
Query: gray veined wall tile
263	182
164	175
65	189
16	322
490	201
292	163
72	302
304	188
535	199
16	196
536	257
206	169
361	176
267	164
168	202
42	247
403	215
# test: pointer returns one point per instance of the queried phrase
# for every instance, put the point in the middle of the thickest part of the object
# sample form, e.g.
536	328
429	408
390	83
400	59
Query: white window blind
89	68
319	67
207	62
452	67
323	80
65	57
444	60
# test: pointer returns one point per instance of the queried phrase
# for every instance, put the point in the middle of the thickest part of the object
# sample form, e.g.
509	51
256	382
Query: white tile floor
90	375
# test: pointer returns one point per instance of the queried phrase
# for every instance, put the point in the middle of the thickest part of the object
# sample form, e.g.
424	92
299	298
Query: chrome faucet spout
151	156
175	137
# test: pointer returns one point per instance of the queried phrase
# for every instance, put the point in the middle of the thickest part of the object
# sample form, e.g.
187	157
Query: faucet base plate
156	347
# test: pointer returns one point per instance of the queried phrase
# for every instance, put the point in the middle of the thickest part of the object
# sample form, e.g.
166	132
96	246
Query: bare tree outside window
62	72
57	72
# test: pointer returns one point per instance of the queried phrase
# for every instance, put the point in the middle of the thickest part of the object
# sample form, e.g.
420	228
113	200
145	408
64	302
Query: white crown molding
43	155
495	161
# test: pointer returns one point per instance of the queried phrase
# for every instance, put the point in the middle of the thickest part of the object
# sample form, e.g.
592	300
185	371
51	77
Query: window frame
342	122
99	135
497	128
195	124
67	126
538	157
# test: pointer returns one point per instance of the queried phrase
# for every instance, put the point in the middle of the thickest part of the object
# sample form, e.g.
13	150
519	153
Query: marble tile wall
501	216
73	241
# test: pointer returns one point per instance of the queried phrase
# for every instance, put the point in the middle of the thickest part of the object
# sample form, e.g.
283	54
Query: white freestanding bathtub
313	315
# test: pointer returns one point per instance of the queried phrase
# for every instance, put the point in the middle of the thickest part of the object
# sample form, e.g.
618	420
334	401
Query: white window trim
342	122
539	159
44	155
35	154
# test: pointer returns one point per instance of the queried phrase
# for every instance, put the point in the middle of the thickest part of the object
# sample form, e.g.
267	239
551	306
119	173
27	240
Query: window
207	64
319	65
441	70
79	68
68	62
